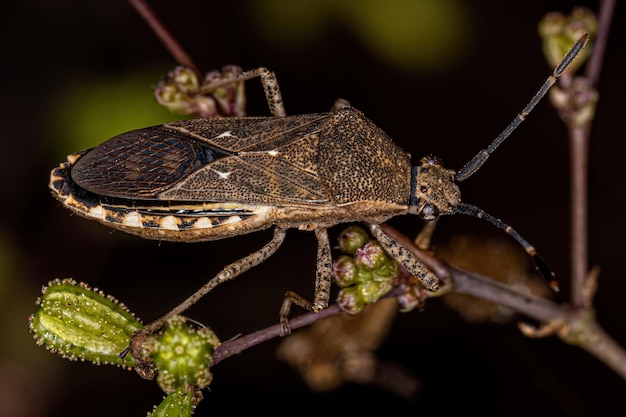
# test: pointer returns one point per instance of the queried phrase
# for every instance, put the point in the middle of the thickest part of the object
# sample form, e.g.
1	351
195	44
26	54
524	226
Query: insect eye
428	212
433	160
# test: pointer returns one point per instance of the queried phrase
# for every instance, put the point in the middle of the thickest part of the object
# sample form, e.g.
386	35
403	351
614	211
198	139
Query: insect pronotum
208	179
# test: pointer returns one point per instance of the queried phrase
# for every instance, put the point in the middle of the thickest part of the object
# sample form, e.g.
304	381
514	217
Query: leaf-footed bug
208	179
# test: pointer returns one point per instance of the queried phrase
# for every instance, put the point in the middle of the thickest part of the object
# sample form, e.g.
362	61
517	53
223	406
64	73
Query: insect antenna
540	265
481	157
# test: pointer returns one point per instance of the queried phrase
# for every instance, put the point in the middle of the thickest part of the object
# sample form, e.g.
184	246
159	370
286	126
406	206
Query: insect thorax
360	162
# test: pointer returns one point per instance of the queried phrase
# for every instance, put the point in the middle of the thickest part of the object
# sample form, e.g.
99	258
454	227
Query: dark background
451	109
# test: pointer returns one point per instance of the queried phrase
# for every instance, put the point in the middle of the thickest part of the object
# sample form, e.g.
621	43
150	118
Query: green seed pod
182	354
83	324
179	404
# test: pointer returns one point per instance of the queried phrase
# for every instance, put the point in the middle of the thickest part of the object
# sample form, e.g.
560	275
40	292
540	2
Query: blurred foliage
94	109
413	35
7	258
422	35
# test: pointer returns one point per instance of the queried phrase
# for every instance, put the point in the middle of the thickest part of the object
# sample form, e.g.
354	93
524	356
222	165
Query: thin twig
579	137
171	44
594	66
579	147
580	327
239	344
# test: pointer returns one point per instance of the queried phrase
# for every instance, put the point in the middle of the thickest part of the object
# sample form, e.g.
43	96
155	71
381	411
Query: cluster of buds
181	92
79	323
575	98
365	273
559	32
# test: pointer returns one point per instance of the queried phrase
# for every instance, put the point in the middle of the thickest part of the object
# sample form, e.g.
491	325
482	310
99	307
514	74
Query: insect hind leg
323	281
229	272
270	86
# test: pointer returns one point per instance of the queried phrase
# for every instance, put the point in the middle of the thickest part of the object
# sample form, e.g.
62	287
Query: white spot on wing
224	135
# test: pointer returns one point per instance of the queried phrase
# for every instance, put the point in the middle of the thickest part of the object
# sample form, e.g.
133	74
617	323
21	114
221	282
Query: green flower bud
350	300
351	239
371	256
371	291
83	324
560	32
231	97
185	78
180	93
345	271
182	354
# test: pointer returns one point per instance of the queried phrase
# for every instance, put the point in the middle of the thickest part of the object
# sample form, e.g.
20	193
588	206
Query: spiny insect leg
270	86
401	254
231	271
323	281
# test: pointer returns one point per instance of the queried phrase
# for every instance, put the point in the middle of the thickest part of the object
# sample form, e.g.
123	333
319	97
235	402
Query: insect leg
270	86
406	258
229	272
323	280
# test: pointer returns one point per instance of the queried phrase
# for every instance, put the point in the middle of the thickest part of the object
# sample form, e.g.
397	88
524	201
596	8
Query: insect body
207	179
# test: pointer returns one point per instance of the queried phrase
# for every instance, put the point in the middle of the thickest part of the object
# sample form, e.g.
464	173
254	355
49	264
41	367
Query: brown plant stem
164	35
239	344
594	66
579	137
576	326
579	327
579	148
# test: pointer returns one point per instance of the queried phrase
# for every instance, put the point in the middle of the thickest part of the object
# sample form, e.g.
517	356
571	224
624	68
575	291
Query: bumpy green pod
182	354
179	403
83	324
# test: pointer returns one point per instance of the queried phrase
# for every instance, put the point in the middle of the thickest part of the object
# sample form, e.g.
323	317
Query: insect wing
246	160
138	164
272	160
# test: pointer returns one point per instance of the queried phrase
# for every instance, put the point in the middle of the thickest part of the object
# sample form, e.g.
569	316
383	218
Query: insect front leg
323	280
270	86
401	254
